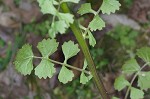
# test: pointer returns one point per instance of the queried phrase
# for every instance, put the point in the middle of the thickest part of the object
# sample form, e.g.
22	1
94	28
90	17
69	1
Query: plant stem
63	64
78	34
128	90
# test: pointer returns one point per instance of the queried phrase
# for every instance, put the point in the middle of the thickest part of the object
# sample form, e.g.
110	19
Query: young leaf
23	62
136	93
144	53
70	49
85	8
73	1
109	6
47	7
96	23
83	78
65	75
45	69
47	47
58	26
143	80
67	17
92	40
130	66
121	83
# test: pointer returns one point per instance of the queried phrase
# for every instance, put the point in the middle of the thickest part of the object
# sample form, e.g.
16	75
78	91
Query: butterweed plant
61	21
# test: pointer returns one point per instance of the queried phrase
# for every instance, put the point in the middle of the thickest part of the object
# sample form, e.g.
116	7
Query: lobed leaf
70	49
85	8
65	75
92	40
23	62
109	6
58	26
130	66
47	47
136	93
143	80
96	23
120	83
67	17
144	53
45	69
47	6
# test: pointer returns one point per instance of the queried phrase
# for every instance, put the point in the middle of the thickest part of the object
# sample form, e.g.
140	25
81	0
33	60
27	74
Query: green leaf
45	69
136	93
144	53
130	66
83	78
47	47
23	62
58	26
65	75
73	1
47	7
67	17
85	8
70	49
92	40
120	83
109	6
143	80
96	23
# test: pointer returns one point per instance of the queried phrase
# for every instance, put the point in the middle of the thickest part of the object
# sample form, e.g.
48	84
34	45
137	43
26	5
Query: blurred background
22	22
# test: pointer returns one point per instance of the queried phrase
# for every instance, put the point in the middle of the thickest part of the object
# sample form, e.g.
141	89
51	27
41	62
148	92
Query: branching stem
134	77
63	64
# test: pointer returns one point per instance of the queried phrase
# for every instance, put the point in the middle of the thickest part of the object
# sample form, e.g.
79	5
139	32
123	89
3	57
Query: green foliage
136	93
85	8
24	59
130	67
96	23
144	53
109	6
121	83
125	35
143	80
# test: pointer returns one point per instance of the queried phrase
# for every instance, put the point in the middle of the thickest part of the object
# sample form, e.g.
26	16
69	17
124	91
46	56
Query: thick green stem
78	34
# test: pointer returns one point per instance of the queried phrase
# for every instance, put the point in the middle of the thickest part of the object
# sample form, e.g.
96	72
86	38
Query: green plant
132	67
61	21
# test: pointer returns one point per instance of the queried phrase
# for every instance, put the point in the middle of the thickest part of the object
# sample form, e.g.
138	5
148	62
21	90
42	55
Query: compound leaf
47	47
120	83
143	80
23	62
58	26
136	93
96	23
109	6
130	66
45	69
70	49
92	40
47	7
144	53
85	8
65	75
